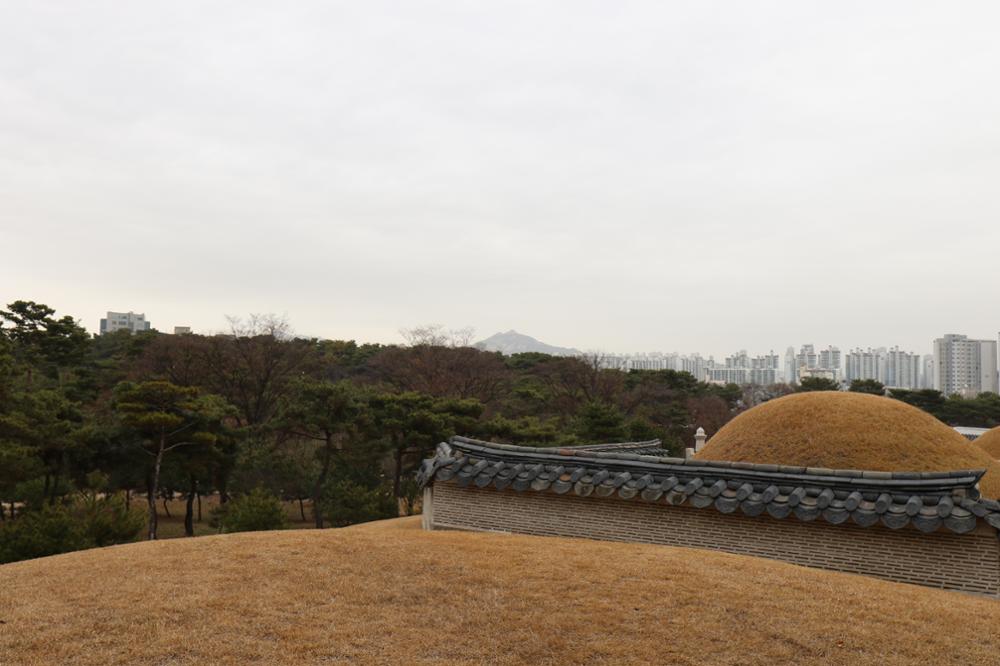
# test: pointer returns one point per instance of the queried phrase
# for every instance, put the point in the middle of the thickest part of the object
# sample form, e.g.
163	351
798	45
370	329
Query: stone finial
699	440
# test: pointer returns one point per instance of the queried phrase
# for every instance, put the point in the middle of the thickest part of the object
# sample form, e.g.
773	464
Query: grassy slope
990	442
388	592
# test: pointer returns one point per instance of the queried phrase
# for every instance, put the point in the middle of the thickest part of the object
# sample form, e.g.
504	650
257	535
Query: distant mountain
513	342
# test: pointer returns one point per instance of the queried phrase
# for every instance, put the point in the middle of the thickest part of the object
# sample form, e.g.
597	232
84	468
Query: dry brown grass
989	441
378	594
848	431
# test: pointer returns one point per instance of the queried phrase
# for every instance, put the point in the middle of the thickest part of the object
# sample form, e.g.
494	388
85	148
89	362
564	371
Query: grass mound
989	441
391	593
848	431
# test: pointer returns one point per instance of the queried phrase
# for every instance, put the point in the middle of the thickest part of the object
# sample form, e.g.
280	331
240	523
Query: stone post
699	439
427	510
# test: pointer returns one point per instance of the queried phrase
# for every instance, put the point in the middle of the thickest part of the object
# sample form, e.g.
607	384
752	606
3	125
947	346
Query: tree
17	463
817	384
672	404
326	412
414	423
709	412
572	382
929	400
42	341
48	531
253	366
443	371
526	431
435	335
105	517
600	422
867	386
88	520
256	511
163	417
348	502
45	423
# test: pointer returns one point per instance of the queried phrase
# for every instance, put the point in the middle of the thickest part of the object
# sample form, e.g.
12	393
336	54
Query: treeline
257	415
981	411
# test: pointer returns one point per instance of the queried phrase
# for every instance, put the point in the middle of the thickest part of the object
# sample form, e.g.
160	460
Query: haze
621	176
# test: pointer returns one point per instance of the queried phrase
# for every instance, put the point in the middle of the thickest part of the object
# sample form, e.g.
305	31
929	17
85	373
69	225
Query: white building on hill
130	321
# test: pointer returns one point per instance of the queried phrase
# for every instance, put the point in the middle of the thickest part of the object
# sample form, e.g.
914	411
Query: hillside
513	342
391	593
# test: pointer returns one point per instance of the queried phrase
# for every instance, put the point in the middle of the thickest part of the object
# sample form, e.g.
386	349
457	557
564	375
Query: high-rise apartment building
116	321
927	373
893	367
865	364
791	368
964	366
807	357
741	368
693	363
829	359
902	369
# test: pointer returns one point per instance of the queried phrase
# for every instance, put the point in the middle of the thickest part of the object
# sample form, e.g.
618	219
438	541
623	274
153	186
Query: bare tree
435	335
252	365
443	372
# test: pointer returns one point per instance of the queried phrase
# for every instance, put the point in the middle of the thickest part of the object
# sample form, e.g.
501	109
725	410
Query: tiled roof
927	500
652	447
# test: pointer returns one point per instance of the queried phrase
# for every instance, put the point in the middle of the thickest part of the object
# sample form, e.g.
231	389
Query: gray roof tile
926	500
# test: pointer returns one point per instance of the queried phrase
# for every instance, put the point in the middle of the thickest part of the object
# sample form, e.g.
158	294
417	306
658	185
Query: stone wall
968	562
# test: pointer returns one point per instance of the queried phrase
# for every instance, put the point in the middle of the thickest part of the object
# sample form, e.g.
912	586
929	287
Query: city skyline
476	333
957	364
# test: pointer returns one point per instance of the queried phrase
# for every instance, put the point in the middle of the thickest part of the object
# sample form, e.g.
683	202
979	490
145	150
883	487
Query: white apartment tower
130	321
902	369
964	366
866	364
893	367
791	369
829	359
927	376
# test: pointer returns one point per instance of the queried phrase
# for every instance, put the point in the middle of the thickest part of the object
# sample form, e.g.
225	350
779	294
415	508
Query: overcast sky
624	176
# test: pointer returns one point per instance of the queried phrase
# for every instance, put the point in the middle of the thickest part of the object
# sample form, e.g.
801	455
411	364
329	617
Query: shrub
48	531
256	511
109	520
88	522
346	502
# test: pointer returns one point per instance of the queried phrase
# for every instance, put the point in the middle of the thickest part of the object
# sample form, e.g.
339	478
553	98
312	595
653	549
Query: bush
109	520
256	511
88	522
47	531
348	503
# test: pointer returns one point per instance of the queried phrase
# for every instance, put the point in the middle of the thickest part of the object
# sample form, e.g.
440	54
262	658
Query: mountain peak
513	342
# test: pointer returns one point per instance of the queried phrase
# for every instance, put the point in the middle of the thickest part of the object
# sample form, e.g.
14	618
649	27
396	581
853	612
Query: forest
100	434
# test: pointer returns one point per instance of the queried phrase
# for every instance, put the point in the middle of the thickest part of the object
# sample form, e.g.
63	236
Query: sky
627	176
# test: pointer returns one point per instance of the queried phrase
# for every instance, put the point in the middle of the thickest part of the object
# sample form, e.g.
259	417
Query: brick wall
969	562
